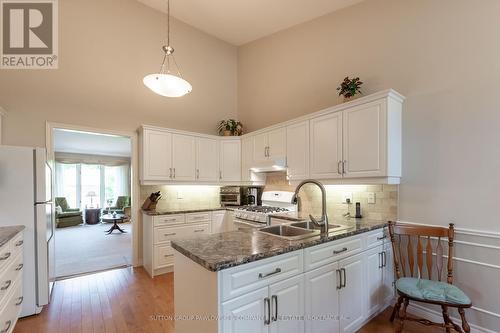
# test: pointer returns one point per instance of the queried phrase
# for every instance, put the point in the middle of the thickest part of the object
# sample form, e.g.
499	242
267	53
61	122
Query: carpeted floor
87	248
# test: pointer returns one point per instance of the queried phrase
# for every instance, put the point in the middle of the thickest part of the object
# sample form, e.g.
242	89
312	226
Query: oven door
230	199
241	224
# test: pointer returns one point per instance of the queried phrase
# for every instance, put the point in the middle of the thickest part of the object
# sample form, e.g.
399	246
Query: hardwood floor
124	300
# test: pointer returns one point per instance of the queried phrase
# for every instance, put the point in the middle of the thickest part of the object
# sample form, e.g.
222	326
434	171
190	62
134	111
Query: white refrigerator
26	199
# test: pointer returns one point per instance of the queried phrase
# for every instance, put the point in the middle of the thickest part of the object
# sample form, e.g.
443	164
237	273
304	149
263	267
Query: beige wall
443	55
106	48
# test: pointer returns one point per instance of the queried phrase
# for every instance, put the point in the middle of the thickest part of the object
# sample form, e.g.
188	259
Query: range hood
269	166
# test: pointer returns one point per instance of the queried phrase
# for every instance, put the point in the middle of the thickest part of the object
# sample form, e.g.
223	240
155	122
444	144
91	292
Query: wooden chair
410	283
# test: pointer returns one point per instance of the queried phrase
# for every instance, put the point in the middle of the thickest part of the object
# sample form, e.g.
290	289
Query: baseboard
421	311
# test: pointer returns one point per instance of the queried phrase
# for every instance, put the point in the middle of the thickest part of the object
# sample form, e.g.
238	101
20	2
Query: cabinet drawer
10	312
5	255
242	279
168	219
198	217
10	275
323	254
166	234
17	244
163	256
377	237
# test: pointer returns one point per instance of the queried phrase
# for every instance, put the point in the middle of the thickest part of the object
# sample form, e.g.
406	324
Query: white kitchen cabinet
207	159
218	222
373	280
287	306
183	157
246	158
365	140
326	146
156	155
260	148
351	294
246	314
297	151
269	145
387	293
230	160
321	300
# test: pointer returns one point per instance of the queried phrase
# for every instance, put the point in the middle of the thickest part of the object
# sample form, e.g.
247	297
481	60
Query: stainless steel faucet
323	222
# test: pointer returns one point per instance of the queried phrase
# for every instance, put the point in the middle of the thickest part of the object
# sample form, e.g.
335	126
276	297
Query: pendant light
165	83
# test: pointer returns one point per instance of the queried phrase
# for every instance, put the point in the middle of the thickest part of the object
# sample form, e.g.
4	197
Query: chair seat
435	291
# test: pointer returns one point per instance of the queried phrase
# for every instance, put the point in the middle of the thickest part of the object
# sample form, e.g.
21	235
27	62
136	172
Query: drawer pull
5	256
267	313
381	238
7	326
20	301
199	230
19	267
276	271
172	234
19	243
168	255
340	251
7	285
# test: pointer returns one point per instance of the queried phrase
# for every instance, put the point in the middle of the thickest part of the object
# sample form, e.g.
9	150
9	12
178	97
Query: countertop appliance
26	199
255	217
230	196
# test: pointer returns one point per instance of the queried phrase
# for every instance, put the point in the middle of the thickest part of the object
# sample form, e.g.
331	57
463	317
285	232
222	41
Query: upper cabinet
156	157
297	150
326	146
183	157
207	159
269	145
230	160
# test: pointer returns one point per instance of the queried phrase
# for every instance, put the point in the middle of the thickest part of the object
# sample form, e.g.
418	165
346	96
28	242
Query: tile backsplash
384	208
183	197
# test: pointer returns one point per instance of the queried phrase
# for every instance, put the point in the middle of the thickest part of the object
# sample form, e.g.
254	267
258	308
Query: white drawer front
17	244
198	217
163	256
12	308
242	279
166	234
323	254
168	219
5	255
10	275
377	237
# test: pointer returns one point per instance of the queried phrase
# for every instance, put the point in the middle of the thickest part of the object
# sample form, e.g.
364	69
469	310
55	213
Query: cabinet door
260	147
352	294
207	159
326	146
297	151
246	314
246	158
218	225
373	280
276	143
287	305
157	155
183	157
365	141
387	292
230	160
321	300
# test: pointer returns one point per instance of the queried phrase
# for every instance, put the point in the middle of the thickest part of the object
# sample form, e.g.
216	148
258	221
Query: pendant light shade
165	83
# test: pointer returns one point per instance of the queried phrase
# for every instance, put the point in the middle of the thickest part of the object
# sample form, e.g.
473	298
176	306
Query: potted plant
230	127
350	88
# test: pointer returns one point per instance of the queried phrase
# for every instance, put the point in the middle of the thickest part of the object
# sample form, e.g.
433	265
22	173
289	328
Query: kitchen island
248	281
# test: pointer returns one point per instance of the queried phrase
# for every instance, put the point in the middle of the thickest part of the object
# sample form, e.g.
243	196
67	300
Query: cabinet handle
276	271
381	238
20	301
344	279
343	166
339	170
380	260
170	176
172	234
339	279
174	173
168	255
274	300
8	323
19	267
5	256
7	285
340	251
199	230
220	174
384	259
19	243
197	173
267	313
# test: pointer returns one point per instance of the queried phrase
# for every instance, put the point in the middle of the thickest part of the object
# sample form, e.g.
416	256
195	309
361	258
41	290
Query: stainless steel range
255	217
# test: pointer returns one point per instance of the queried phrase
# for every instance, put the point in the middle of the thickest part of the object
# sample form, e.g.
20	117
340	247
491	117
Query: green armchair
122	203
66	216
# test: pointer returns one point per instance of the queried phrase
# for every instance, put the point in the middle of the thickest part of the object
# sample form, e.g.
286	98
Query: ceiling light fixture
164	83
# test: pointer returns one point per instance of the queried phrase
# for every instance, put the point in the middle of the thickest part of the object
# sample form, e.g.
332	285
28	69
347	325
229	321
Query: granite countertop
185	211
228	249
7	233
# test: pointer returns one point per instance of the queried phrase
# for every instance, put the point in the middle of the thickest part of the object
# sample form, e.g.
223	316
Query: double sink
298	230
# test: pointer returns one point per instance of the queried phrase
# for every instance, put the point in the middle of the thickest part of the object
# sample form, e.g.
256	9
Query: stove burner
263	209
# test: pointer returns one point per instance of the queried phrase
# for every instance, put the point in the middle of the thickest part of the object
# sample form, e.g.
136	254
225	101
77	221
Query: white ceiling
91	143
242	21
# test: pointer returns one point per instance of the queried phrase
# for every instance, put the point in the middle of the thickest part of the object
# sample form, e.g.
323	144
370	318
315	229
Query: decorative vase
350	98
227	133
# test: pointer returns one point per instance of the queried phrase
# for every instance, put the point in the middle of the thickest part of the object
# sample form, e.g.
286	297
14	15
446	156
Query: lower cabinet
351	294
218	222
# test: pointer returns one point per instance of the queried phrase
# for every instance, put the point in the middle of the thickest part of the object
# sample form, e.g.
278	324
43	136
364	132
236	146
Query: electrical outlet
371	198
347	196
180	194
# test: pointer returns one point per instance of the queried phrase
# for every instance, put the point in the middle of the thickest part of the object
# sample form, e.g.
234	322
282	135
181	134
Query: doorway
94	183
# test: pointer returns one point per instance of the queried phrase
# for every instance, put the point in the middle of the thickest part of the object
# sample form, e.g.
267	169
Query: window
66	183
91	185
116	179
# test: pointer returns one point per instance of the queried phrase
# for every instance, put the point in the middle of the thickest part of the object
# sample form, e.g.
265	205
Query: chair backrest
405	237
122	201
61	201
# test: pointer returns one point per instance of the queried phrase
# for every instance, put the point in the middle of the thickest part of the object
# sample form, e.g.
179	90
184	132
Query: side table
92	215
